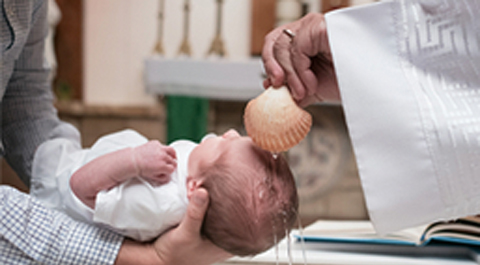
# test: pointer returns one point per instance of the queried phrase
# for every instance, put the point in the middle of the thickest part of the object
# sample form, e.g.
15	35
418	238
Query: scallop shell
275	122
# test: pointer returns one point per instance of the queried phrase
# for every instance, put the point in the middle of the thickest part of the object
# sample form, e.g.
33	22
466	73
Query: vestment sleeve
30	232
409	78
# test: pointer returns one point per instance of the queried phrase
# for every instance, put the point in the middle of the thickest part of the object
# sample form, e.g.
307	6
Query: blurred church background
100	50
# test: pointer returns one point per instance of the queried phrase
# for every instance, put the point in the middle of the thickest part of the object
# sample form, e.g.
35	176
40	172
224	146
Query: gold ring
289	33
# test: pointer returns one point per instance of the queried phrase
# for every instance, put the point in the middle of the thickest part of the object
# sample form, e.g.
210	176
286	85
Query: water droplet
276	250
289	247
302	240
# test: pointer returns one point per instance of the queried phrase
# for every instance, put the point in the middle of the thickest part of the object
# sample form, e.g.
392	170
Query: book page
464	230
358	232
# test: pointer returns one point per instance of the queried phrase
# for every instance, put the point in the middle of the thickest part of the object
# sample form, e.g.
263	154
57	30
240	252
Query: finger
306	101
308	78
159	180
168	168
304	59
295	84
170	151
171	161
272	68
192	222
283	53
267	83
162	179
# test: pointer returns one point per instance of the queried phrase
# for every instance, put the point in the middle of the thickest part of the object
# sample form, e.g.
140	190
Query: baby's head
253	199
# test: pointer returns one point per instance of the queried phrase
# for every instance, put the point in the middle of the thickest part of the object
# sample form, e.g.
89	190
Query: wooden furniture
263	21
69	50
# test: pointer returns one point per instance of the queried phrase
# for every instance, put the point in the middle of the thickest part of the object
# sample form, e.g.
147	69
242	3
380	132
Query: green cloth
187	118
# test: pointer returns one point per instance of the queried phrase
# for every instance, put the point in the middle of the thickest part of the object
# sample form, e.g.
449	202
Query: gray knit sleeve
28	115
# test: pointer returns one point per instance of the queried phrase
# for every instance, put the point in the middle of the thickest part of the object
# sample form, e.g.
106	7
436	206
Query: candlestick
217	47
185	46
159	44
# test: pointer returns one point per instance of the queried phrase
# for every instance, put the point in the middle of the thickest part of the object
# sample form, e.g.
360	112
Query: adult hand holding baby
182	245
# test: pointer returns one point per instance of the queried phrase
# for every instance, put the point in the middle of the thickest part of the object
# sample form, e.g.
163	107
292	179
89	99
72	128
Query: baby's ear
192	185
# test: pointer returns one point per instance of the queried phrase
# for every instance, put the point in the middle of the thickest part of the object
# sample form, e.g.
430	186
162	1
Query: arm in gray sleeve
28	114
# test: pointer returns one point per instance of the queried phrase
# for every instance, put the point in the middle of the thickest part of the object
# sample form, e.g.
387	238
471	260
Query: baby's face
210	149
240	151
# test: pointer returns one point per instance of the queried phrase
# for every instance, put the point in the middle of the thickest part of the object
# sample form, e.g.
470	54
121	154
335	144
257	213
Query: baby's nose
231	134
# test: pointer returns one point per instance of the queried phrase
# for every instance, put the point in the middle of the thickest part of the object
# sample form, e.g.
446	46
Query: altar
345	254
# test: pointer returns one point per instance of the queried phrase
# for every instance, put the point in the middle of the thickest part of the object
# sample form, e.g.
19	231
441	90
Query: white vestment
409	76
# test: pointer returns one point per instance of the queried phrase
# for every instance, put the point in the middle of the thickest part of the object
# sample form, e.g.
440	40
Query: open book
463	231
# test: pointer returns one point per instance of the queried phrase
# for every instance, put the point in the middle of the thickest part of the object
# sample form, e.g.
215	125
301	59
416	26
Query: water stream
302	240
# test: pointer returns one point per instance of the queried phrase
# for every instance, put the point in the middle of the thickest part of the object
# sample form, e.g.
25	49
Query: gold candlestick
185	46
217	47
159	44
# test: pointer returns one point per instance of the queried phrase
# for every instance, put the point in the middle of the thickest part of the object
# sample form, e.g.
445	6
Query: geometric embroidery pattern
439	48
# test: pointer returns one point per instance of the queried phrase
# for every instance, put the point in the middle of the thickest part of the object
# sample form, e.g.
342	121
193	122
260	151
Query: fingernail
200	198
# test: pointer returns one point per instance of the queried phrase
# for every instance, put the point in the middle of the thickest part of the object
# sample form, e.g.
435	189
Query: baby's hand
155	161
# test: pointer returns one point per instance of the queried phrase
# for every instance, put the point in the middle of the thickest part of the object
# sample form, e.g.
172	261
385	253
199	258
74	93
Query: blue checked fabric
33	234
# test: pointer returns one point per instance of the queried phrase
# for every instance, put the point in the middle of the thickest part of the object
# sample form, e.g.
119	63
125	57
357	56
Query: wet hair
250	209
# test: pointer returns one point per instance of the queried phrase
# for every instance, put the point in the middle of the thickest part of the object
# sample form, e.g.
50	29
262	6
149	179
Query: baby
141	188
